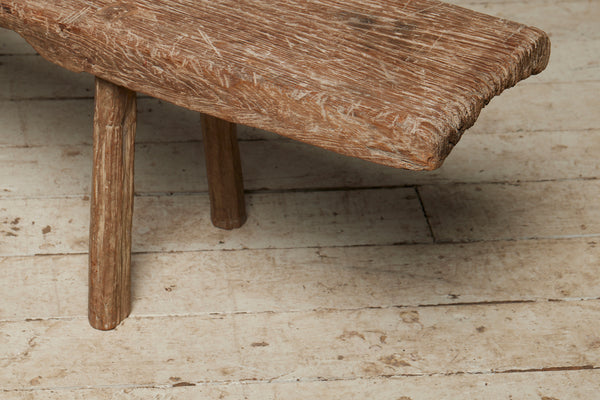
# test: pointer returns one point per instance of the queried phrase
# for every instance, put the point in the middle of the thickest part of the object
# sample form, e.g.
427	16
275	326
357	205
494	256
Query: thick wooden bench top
394	82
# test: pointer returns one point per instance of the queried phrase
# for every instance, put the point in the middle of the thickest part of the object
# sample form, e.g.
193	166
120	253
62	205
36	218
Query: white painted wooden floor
349	281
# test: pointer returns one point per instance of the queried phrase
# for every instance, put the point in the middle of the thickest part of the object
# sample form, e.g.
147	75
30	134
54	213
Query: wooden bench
394	82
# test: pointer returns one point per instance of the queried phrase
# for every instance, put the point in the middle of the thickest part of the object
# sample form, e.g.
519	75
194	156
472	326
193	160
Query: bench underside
393	82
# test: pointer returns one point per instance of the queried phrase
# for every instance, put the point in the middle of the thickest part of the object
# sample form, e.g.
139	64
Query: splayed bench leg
112	205
224	172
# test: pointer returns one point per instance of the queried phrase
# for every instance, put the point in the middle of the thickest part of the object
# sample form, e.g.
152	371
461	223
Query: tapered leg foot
224	172
112	205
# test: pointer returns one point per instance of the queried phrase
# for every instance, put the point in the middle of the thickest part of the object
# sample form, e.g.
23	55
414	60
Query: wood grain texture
224	173
275	220
306	346
111	205
538	385
394	82
283	280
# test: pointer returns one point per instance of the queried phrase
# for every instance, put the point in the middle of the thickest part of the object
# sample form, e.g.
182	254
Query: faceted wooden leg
112	205
224	172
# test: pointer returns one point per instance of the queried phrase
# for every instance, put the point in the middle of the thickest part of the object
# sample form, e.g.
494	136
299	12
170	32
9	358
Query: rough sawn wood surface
394	82
112	205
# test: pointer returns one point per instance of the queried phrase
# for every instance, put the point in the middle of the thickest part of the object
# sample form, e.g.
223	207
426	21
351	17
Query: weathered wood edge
532	60
432	142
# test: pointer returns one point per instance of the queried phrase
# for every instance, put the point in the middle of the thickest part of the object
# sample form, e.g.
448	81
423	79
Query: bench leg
112	205
224	172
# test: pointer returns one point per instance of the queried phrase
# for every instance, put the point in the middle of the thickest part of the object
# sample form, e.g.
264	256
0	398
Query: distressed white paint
523	386
285	346
276	280
182	223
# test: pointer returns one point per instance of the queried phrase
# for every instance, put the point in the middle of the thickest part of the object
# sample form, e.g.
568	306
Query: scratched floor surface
349	280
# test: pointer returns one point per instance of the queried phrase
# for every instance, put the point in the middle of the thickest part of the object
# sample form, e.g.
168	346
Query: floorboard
304	279
545	385
327	344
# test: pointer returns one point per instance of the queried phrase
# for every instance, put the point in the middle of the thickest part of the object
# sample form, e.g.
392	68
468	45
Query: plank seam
306	379
157	195
407	243
314	310
74	254
425	214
